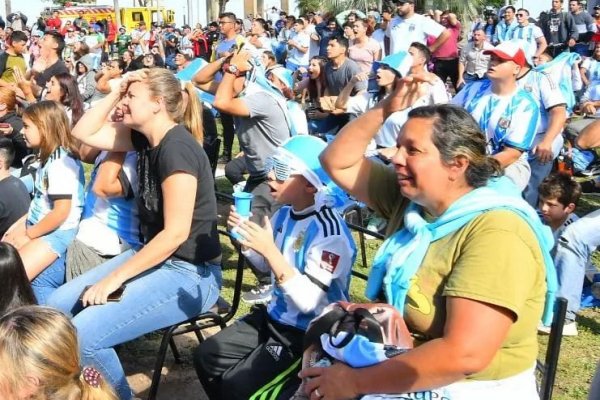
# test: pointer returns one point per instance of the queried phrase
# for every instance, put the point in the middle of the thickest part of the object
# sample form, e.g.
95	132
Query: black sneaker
261	294
596	290
590	187
224	159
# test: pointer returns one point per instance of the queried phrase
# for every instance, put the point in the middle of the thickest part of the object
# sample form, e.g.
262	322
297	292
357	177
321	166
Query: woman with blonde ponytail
39	355
192	115
177	273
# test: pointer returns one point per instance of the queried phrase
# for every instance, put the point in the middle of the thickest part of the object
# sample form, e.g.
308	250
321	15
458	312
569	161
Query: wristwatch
233	69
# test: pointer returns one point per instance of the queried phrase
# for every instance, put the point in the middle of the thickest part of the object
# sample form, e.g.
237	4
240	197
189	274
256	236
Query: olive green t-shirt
12	63
494	259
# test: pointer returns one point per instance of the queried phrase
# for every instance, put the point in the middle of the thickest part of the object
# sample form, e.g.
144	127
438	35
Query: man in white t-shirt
140	38
298	55
408	27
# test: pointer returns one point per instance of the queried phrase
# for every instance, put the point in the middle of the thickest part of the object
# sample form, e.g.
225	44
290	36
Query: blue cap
401	62
301	153
284	75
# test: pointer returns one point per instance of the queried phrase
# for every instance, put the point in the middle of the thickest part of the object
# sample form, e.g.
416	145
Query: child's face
292	191
553	211
33	138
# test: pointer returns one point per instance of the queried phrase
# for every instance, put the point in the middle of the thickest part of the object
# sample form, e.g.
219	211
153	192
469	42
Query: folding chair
218	315
548	368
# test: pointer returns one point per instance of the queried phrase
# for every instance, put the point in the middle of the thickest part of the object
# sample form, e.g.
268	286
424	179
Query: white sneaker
376	224
569	329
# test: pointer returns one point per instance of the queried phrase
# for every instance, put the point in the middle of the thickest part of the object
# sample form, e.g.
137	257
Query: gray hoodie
86	82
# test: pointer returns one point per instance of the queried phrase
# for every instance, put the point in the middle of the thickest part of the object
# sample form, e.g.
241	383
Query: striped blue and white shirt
107	224
506	120
529	33
503	31
318	244
60	178
545	91
592	69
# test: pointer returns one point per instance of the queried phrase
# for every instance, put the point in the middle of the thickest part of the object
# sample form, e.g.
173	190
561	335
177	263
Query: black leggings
447	68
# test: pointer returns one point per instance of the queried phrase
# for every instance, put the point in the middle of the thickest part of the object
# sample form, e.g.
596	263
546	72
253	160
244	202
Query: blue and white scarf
401	255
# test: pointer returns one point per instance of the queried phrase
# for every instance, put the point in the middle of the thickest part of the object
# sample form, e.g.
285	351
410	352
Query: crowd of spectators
459	138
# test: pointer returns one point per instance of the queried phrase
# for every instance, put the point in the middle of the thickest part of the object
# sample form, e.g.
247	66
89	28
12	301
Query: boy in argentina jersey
507	114
548	140
309	251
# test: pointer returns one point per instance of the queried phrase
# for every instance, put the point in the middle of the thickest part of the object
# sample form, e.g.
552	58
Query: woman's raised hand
406	93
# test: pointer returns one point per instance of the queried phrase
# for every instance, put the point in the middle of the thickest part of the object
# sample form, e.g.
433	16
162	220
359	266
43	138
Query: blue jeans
49	280
159	297
573	251
539	171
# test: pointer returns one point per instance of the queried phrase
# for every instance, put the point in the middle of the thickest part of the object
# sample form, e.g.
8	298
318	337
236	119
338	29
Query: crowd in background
458	138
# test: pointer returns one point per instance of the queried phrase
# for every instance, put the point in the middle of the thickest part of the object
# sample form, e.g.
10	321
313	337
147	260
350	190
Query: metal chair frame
219	315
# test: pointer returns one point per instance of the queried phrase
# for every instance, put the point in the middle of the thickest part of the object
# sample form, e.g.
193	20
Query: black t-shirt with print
177	152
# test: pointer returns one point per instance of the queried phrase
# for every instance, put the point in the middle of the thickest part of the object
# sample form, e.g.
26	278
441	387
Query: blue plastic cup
243	203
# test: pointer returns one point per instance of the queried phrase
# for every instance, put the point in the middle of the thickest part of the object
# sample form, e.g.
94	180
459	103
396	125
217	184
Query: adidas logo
274	350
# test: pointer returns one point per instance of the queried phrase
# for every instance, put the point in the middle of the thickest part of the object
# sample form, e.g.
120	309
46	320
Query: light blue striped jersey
118	214
318	244
61	177
529	33
592	68
545	91
563	70
503	31
506	120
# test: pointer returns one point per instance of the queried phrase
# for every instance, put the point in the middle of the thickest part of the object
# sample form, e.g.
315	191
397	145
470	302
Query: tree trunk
8	7
222	4
117	12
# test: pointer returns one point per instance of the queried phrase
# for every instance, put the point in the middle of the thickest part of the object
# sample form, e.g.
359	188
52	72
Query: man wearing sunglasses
408	27
506	25
530	33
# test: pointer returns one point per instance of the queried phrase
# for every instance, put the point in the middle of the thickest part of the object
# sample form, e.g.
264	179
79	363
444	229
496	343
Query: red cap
509	51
